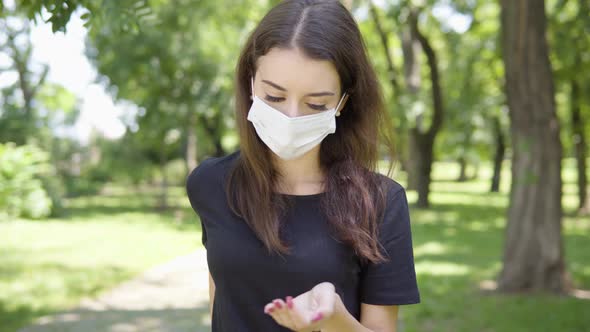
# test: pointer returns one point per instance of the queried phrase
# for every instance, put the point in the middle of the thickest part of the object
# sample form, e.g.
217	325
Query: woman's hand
307	312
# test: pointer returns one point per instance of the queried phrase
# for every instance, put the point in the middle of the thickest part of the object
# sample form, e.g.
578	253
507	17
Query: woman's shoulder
209	174
396	209
389	186
212	166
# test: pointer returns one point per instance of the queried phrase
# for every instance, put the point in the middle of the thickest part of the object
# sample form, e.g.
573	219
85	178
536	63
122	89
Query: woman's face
296	85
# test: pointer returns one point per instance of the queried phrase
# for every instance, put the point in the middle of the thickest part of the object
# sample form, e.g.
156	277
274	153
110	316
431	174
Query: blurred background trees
477	83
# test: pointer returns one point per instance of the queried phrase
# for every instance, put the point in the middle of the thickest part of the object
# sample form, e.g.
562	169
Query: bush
176	172
21	189
55	188
77	185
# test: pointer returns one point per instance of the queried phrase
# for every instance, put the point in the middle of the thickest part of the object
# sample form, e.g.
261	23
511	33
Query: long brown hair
354	194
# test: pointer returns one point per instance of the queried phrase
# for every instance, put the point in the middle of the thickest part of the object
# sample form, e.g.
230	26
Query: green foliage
21	189
60	104
178	70
176	172
18	115
569	39
56	190
127	14
474	78
123	161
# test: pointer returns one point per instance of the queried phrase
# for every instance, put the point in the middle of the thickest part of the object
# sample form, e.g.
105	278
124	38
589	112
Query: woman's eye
273	99
317	107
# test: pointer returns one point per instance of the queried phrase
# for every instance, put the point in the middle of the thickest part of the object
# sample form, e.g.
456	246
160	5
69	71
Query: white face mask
288	137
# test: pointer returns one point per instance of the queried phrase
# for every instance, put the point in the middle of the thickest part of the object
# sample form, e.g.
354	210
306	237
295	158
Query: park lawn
47	266
458	246
50	265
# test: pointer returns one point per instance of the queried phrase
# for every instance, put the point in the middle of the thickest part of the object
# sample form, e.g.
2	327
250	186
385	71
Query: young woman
301	232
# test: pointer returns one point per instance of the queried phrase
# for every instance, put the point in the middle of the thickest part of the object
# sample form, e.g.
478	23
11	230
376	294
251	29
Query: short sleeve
392	282
194	190
203	235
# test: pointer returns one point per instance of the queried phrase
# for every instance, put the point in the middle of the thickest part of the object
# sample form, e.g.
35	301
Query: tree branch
392	72
437	100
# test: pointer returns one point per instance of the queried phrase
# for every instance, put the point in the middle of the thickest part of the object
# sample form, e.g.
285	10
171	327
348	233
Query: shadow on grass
458	245
455	303
131	206
15	313
469	216
174	319
12	317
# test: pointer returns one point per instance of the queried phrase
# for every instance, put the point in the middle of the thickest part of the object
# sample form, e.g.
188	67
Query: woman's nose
292	110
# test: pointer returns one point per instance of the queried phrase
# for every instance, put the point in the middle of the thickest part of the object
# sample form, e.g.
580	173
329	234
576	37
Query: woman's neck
301	176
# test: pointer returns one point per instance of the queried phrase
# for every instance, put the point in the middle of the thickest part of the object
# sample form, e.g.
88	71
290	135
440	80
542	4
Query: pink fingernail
278	304
290	302
318	317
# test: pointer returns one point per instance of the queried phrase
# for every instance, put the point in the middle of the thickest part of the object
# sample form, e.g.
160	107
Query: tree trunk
533	253
425	140
213	128
421	161
163	204
475	174
191	143
219	151
462	169
20	55
498	156
579	146
392	73
411	49
420	156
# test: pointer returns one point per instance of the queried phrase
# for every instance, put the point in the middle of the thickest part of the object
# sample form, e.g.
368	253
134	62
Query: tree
569	22
533	252
421	137
125	15
180	71
476	120
18	120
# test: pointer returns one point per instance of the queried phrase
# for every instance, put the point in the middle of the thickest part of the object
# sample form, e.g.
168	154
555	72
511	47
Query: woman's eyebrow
274	85
320	94
315	94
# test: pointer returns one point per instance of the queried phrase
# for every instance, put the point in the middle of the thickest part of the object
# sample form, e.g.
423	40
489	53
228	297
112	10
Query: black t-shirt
247	277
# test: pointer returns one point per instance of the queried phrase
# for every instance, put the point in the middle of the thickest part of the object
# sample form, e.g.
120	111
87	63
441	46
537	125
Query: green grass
49	265
458	244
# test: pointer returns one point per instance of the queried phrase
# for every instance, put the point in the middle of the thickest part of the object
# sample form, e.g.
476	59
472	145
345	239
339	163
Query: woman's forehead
296	72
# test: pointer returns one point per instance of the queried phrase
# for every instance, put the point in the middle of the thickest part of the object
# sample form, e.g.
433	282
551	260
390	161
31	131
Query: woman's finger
279	304
279	310
282	314
270	307
273	310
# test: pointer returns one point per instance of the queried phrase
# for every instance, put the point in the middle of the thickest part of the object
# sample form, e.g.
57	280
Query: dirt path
172	297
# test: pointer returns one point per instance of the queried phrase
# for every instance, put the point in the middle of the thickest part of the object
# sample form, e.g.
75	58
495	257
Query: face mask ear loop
340	102
252	87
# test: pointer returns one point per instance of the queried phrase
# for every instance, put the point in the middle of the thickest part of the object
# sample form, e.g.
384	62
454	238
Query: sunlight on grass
441	268
458	242
50	265
430	248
